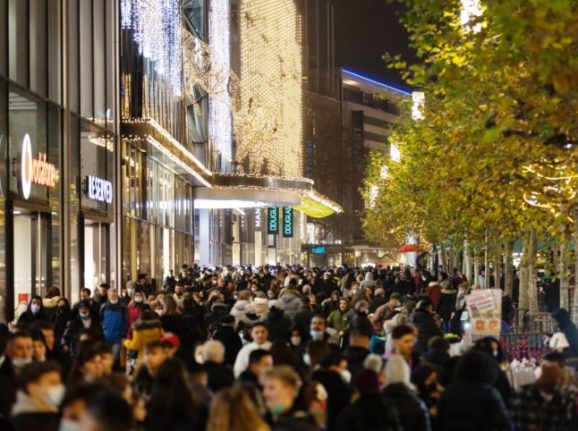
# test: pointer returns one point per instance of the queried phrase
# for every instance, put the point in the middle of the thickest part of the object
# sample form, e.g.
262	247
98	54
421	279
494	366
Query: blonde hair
233	410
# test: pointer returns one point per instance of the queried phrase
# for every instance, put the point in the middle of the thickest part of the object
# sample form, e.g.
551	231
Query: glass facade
58	98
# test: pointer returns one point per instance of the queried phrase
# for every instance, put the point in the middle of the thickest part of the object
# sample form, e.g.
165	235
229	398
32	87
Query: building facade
58	136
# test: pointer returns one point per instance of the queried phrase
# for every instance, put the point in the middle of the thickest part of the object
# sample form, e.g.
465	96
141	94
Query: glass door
31	251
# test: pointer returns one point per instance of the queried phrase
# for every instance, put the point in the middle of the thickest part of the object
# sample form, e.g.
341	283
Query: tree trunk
575	301
508	270
532	273
563	276
486	265
523	302
443	258
476	270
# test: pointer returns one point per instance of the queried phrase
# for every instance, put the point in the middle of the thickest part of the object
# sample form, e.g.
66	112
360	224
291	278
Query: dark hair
103	348
256	355
438	343
228	320
86	290
334	358
104	285
21	333
395	295
400	331
148	315
52	292
284	355
476	366
85	353
110	410
32	372
152	345
558	357
256	325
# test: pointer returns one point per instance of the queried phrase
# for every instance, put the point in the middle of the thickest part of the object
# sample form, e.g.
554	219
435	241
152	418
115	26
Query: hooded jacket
426	329
277	325
568	328
144	332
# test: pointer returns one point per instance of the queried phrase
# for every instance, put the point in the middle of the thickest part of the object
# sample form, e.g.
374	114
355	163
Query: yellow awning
317	206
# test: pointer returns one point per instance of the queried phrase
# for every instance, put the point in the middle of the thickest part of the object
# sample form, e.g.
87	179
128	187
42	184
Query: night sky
365	30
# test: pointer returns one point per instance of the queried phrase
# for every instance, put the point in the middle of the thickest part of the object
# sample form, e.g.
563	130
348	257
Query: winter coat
290	304
568	328
472	406
368	282
376	302
28	318
339	393
144	332
277	325
231	341
368	413
220	376
71	335
49	306
360	322
241	309
435	293
114	319
426	329
355	357
294	420
29	414
447	303
134	311
174	323
8	385
413	413
339	320
303	319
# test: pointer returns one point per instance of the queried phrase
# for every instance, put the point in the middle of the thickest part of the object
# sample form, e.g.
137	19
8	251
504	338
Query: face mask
495	353
21	362
113	301
55	395
130	292
295	341
277	409
35	308
346	376
307	359
316	335
138	299
68	425
84	315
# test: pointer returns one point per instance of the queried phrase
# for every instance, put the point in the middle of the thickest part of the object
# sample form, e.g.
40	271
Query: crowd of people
272	348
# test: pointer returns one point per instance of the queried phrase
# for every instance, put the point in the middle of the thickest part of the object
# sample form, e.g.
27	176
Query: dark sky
365	30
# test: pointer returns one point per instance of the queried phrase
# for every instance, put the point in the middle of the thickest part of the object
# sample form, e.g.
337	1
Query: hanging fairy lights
156	29
269	124
220	116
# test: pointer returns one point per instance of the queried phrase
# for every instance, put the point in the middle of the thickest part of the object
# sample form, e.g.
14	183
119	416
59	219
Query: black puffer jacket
277	325
412	411
472	406
426	329
368	413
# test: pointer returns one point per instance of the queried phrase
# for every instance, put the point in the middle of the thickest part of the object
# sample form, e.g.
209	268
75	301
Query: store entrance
31	254
96	261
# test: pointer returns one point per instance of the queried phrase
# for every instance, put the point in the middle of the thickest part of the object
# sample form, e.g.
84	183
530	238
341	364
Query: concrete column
204	237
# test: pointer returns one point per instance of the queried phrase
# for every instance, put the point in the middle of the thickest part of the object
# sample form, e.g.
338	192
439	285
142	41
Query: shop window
18	40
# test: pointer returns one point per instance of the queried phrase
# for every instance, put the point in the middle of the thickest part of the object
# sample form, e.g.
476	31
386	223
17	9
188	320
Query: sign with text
273	221
485	311
98	189
287	222
38	171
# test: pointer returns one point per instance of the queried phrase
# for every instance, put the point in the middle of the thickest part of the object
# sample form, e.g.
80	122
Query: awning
317	206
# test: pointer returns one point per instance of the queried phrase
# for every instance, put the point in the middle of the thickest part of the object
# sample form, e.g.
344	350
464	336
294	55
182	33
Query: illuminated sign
35	171
258	218
273	220
98	189
320	249
287	222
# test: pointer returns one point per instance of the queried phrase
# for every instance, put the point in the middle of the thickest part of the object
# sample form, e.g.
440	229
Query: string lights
269	124
156	29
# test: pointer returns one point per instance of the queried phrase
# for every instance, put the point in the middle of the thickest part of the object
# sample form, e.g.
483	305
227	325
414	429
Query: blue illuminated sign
320	249
273	221
287	222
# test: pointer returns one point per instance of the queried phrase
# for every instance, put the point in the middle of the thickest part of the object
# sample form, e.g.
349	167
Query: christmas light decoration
220	116
269	124
156	29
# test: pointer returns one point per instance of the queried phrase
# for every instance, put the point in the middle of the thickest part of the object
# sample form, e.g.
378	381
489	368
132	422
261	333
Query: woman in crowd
233	410
147	328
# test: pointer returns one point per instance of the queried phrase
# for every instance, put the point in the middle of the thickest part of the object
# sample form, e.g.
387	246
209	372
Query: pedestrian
114	319
413	413
34	313
146	329
259	335
233	410
423	320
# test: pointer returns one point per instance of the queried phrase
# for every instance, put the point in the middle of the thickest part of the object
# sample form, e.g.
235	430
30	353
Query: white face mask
295	341
113	301
21	362
84	315
55	395
35	308
130	292
346	376
68	425
307	359
138	299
